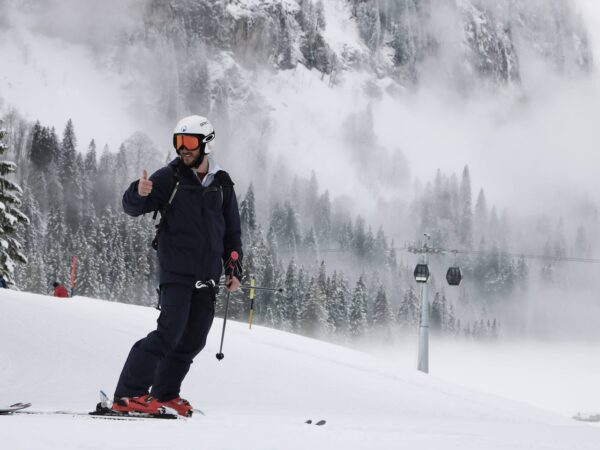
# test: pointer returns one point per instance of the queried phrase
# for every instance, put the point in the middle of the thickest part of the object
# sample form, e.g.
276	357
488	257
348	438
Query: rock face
209	51
398	35
490	51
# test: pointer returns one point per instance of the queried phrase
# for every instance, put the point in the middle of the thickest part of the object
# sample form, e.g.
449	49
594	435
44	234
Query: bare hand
232	283
144	185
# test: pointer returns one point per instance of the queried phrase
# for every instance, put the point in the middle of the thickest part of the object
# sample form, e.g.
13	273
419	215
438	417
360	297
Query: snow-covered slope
58	353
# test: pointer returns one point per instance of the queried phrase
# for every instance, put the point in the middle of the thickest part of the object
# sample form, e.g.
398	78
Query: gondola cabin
454	276
421	273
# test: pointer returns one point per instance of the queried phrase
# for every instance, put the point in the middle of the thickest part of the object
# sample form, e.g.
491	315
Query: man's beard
194	163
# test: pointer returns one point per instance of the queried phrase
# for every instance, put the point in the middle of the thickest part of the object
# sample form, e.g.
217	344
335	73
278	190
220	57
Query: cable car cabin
454	276
421	273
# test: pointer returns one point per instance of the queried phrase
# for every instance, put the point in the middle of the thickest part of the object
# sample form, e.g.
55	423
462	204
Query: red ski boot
143	404
180	405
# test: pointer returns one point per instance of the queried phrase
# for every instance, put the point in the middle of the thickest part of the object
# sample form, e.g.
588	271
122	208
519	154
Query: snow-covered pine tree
298	298
330	300
382	313
465	231
267	310
322	220
358	313
309	246
291	229
105	194
88	260
248	213
292	300
10	217
408	313
480	219
438	313
67	165
314	315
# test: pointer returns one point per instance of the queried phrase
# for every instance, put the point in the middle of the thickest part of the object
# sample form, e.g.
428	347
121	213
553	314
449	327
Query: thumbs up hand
144	185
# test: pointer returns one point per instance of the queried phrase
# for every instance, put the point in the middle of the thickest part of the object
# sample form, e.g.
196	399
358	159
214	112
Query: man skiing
198	231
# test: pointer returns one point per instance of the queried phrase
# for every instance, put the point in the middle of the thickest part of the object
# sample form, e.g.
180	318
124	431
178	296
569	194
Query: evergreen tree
56	257
89	180
67	170
293	298
291	235
465	210
382	311
309	246
68	152
408	312
248	213
438	316
268	309
322	223
311	197
358	313
451	324
359	243
299	297
314	315
88	263
43	146
106	193
340	305
10	217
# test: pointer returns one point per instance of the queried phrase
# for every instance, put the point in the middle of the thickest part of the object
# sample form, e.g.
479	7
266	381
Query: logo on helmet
183	129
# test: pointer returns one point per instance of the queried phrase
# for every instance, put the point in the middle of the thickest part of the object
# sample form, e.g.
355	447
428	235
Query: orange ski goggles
187	141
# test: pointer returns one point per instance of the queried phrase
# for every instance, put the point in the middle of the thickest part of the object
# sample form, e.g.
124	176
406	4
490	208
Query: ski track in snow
59	353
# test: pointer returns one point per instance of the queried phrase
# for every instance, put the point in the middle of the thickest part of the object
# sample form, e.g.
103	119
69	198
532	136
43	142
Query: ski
13	408
105	412
102	416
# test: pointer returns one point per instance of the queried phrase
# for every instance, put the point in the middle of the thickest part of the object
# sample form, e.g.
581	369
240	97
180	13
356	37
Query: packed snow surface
59	353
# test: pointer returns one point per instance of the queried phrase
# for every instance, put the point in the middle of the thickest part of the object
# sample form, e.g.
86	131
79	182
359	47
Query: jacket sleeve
232	240
135	205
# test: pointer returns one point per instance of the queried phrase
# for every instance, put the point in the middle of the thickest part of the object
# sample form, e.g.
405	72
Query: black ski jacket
202	224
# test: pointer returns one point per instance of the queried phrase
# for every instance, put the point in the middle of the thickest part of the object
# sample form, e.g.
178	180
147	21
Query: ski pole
251	316
258	288
220	355
230	265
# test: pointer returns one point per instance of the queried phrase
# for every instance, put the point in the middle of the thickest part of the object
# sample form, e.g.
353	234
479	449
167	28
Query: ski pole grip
232	266
233	258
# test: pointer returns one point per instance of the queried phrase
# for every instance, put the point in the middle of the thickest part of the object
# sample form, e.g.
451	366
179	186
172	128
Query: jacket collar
213	168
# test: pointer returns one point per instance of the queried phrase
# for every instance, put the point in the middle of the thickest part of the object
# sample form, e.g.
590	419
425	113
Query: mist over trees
342	280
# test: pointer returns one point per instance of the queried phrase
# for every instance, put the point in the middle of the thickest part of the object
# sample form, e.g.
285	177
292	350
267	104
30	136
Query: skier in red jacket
60	290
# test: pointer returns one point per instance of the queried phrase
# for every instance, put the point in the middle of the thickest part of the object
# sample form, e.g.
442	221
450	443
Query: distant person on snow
2	282
60	290
198	230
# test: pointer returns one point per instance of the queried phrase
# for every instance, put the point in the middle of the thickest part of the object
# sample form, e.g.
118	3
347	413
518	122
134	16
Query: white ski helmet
196	126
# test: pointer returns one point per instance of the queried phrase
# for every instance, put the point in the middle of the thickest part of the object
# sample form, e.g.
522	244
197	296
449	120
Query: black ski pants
161	360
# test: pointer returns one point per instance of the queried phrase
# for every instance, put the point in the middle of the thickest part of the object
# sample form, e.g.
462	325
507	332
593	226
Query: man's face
189	156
